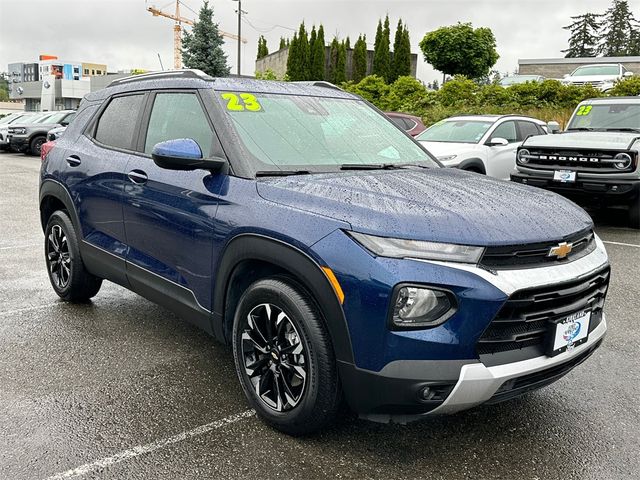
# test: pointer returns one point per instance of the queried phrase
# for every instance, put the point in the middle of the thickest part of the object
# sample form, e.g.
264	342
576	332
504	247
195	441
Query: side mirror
566	75
553	127
183	154
627	74
64	123
498	142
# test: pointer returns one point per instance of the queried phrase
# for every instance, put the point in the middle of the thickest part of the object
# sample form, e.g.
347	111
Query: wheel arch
473	164
249	257
53	196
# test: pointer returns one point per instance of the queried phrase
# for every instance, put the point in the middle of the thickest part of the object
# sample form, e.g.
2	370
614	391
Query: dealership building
559	67
55	84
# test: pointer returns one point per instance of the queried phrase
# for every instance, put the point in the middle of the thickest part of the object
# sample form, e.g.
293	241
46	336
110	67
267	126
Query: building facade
277	62
559	67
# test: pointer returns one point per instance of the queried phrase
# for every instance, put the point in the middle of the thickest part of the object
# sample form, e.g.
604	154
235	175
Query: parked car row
26	132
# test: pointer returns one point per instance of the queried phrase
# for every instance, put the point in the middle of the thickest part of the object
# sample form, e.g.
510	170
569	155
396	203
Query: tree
317	64
617	27
381	55
312	44
304	53
341	65
401	66
292	58
202	48
283	43
334	58
460	50
263	51
584	38
359	59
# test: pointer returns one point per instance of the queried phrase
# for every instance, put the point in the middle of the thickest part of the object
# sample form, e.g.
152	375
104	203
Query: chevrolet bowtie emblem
561	250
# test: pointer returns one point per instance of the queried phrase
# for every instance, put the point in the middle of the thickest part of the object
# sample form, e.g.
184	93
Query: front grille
595	161
523	323
537	254
533	381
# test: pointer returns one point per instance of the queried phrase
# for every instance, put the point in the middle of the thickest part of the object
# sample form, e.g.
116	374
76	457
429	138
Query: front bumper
395	393
591	191
19	142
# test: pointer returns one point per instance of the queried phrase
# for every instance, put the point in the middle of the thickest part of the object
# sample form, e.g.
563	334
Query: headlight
19	131
446	158
421	307
400	248
623	161
523	155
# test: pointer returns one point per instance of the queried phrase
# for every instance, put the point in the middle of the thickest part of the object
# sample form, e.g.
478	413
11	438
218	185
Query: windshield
315	134
40	118
52	119
606	117
10	118
519	79
597	70
456	131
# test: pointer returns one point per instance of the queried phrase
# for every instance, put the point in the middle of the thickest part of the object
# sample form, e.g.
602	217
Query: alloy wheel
274	357
58	257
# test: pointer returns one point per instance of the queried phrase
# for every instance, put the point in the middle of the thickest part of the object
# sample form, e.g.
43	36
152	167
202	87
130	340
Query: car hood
593	78
34	125
444	149
582	140
440	205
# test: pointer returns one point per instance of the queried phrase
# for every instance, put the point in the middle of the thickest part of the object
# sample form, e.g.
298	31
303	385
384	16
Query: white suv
484	144
601	76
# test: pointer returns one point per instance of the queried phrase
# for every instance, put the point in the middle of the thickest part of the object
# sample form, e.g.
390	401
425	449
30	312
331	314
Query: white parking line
150	447
622	244
21	246
28	309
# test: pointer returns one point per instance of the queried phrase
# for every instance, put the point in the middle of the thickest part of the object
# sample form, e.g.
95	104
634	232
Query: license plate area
564	176
568	332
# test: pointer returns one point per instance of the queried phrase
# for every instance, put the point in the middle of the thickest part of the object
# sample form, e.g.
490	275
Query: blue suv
342	263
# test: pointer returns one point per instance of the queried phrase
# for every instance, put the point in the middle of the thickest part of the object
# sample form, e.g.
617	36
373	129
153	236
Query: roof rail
319	83
175	74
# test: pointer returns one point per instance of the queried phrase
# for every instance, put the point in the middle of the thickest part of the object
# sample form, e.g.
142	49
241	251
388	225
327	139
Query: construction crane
177	31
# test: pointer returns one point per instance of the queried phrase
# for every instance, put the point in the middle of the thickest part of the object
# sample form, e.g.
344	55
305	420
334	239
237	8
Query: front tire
67	273
35	146
284	357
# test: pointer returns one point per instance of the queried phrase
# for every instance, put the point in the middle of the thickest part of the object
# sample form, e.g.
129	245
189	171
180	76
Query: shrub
408	95
629	87
372	88
459	91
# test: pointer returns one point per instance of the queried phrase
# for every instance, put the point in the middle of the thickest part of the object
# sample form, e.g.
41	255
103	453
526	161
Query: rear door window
178	115
528	129
506	130
117	124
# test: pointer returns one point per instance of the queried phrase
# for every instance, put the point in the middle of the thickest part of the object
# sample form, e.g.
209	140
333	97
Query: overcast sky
122	34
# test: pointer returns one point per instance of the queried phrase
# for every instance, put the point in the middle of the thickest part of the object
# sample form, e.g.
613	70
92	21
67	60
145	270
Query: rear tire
284	357
634	214
67	273
36	145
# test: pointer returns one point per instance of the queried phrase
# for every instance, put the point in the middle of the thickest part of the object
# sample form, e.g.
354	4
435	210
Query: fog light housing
421	307
523	155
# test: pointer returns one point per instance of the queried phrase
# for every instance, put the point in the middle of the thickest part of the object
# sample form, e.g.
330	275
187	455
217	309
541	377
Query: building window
93	72
99	72
86	71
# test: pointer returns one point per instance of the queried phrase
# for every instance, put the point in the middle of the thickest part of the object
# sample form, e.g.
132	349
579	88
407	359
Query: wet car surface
121	388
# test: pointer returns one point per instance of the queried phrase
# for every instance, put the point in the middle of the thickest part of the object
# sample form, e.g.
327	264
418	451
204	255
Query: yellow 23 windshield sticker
241	102
584	110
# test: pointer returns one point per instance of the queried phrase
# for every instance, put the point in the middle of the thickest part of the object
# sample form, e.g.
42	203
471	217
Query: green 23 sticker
584	110
239	103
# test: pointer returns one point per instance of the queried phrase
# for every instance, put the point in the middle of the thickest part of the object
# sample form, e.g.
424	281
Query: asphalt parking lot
121	388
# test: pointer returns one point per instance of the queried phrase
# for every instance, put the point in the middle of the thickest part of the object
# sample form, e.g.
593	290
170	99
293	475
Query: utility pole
239	33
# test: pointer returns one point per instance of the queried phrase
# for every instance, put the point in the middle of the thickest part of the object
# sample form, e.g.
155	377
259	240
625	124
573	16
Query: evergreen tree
312	44
381	55
283	43
293	70
334	54
634	42
359	59
202	48
263	51
317	66
401	65
585	31
341	64
618	26
347	43
304	71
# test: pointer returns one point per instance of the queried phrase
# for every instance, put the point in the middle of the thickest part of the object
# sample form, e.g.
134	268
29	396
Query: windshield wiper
580	129
371	166
624	129
281	173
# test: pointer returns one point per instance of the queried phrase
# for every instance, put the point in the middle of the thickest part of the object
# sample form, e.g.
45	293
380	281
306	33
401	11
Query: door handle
73	160
137	176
